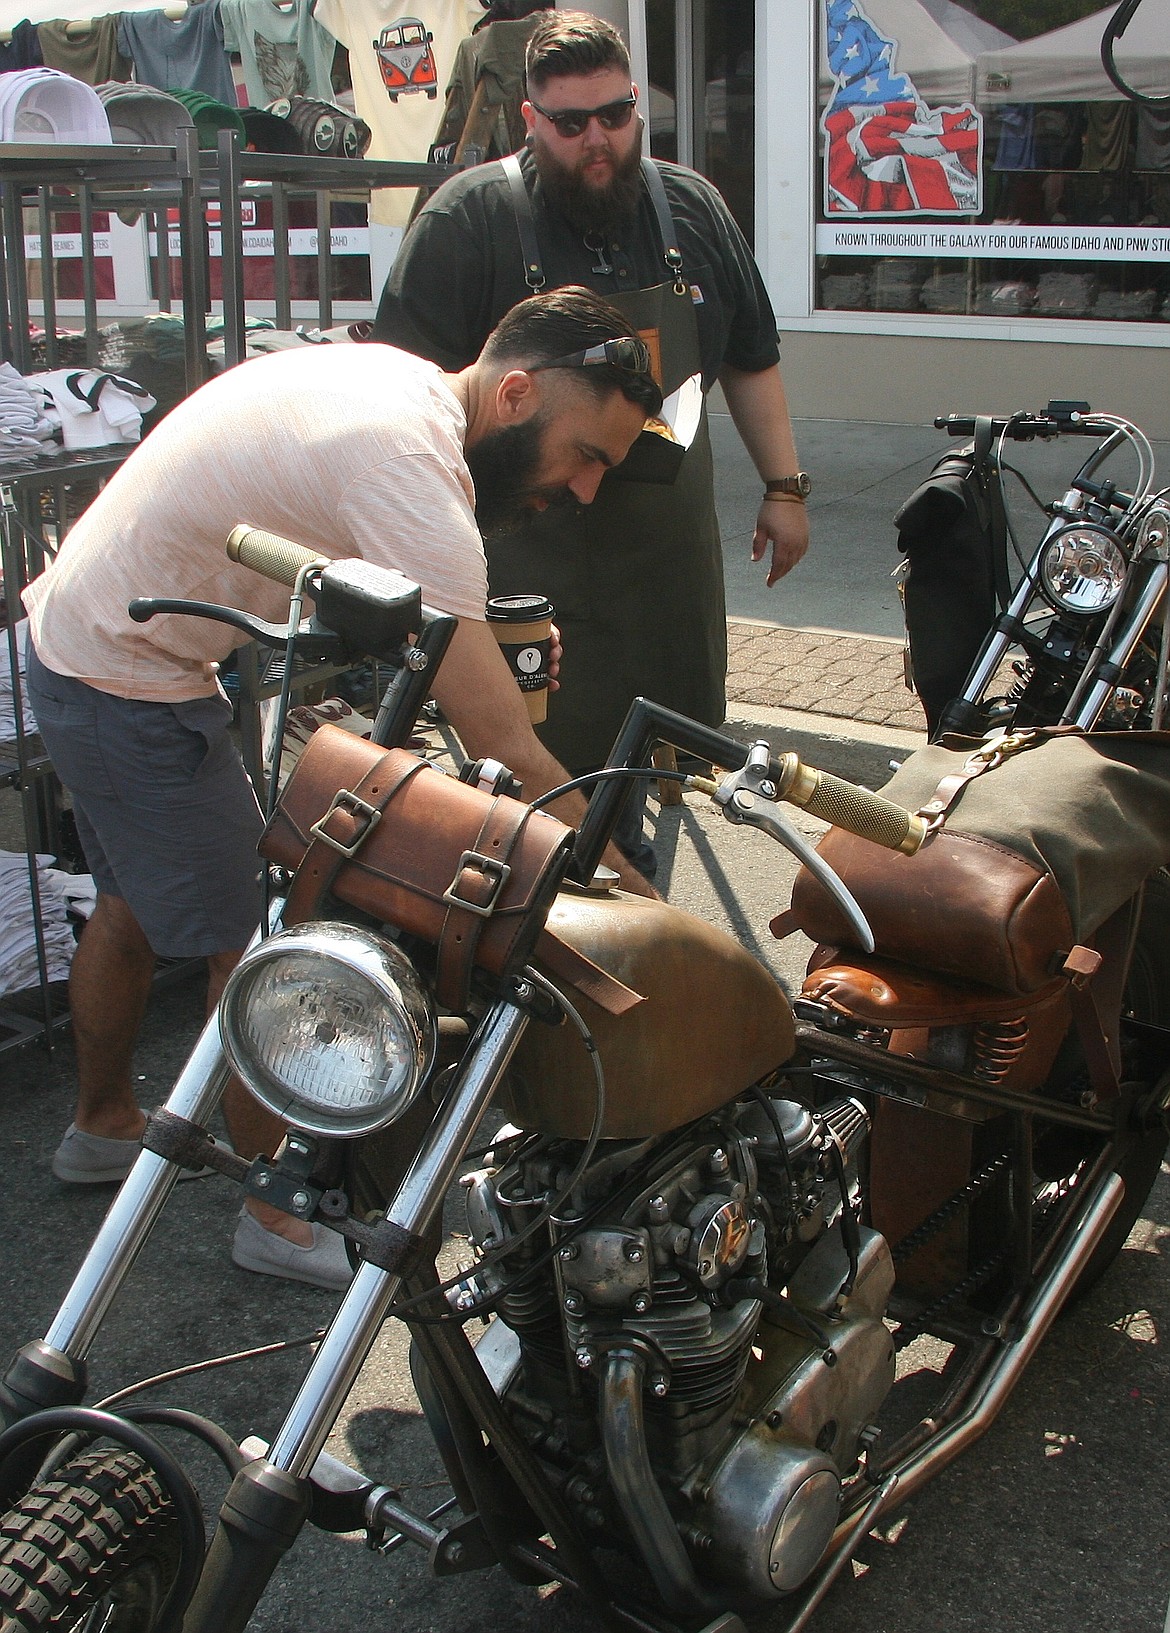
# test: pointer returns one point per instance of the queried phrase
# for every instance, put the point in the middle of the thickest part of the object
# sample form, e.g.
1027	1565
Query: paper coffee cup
522	624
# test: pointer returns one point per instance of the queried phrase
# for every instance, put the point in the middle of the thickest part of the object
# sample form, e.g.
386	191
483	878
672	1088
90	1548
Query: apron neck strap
522	206
534	275
652	176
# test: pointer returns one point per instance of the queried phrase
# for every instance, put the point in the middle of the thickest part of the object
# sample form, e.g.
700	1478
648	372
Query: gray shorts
165	811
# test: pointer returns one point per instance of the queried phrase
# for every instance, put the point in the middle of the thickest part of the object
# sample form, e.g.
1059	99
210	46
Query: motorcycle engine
725	1264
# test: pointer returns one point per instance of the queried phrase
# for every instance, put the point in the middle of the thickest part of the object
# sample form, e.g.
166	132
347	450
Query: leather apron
637	576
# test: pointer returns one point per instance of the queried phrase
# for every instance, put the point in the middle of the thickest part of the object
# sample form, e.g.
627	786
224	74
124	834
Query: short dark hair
572	42
561	321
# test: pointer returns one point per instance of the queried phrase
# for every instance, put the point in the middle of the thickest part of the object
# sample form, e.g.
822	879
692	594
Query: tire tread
72	1530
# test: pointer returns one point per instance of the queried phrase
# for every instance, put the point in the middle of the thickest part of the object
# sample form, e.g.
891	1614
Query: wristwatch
799	486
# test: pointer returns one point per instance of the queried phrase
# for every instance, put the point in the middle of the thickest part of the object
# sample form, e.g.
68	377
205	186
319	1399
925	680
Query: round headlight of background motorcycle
330	1027
1083	570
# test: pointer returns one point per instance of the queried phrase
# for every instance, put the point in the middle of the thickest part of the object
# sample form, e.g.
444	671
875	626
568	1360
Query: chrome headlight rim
359	956
1094	565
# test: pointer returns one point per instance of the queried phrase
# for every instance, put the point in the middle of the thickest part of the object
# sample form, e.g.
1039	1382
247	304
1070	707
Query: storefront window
978	160
719	111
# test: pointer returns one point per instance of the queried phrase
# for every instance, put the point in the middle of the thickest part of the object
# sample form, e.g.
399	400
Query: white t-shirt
351	450
400	63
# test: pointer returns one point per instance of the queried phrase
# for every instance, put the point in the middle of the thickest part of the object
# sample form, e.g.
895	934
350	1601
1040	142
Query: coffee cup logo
522	624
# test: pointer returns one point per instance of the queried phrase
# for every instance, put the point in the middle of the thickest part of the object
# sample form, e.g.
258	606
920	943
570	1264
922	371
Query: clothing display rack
40	184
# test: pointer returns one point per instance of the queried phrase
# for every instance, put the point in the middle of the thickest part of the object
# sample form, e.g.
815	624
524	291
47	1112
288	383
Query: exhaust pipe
1035	1319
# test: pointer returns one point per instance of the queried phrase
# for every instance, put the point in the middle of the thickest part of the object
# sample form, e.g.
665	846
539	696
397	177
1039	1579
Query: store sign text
997	242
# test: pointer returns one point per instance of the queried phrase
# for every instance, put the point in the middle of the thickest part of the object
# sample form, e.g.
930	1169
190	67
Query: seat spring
996	1046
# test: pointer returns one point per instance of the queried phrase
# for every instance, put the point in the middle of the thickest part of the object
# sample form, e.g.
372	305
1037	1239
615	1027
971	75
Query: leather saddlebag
470	872
1034	849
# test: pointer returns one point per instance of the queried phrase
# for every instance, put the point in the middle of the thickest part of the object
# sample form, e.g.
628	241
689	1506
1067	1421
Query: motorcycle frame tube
353	1329
953	1438
1092	692
135	1209
820	1045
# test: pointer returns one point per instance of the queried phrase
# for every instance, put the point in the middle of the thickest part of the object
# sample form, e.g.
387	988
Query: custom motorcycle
1080	632
704	1232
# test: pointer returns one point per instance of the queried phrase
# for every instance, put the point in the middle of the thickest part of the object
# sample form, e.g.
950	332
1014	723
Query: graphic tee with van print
401	54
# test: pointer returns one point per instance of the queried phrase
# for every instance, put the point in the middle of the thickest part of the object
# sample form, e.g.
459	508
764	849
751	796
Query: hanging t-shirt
92	56
400	62
23	50
283	50
183	54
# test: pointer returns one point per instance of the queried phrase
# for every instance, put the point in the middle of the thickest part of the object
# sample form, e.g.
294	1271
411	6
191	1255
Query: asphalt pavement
1056	1519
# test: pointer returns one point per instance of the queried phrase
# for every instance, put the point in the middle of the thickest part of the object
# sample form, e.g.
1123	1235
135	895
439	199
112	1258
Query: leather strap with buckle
346	800
473	896
993	752
329	850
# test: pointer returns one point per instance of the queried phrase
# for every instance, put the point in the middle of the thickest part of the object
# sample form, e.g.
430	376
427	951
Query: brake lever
748	797
310	642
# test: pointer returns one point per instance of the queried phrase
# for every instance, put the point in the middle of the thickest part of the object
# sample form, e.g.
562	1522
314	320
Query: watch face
803	482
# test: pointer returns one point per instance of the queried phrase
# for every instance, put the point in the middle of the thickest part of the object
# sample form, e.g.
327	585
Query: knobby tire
96	1546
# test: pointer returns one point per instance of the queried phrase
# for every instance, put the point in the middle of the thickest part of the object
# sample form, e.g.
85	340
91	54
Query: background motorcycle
1079	635
685	1224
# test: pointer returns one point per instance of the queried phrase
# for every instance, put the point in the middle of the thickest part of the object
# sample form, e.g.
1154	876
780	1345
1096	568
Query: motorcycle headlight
330	1027
1083	569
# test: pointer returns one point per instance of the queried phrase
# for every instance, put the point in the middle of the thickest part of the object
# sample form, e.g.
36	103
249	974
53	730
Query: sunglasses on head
627	353
569	122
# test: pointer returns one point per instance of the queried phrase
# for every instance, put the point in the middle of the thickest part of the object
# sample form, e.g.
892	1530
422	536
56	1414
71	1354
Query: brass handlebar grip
847	806
270	555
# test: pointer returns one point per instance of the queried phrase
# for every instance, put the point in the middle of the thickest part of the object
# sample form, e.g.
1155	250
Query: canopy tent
47	11
967	30
1065	65
942	71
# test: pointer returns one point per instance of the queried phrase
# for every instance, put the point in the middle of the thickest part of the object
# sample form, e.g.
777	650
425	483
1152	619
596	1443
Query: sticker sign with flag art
887	152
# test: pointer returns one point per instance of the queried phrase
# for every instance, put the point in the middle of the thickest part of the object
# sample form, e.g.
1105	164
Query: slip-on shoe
323	1264
92	1159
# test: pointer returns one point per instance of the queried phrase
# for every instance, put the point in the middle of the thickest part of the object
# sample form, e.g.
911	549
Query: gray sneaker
92	1159
323	1264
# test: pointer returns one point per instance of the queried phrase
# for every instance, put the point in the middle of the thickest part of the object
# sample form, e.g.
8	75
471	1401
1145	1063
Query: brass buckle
346	800
996	750
497	872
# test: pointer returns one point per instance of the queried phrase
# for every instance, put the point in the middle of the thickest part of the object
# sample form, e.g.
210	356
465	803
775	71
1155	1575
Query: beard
502	467
589	209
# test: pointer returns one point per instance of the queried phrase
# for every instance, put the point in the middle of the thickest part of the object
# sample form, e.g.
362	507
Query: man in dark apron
637	577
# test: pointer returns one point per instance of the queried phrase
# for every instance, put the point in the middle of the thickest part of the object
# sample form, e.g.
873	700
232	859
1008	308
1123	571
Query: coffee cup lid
518	609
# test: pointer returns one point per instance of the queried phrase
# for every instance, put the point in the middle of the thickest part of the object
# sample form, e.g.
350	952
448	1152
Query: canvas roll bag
1039	837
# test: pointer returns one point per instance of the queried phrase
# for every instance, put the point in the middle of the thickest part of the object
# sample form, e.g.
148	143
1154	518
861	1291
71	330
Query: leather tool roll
1033	852
470	872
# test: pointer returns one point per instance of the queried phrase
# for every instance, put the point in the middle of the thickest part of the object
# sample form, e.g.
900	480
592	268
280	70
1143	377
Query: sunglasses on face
570	122
627	353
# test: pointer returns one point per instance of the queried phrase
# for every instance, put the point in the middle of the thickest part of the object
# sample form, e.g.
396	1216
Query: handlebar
270	555
1059	419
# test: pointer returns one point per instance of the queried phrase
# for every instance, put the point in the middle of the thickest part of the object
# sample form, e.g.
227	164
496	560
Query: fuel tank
713	1021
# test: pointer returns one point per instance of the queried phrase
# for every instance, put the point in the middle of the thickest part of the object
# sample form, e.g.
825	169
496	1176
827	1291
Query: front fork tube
1098	682
268	1500
53	1372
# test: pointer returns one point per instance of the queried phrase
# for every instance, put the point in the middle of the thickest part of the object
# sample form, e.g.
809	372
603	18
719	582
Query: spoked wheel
1140	1150
95	1549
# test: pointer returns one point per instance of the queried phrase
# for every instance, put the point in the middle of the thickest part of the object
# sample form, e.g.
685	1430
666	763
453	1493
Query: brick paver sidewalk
853	677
